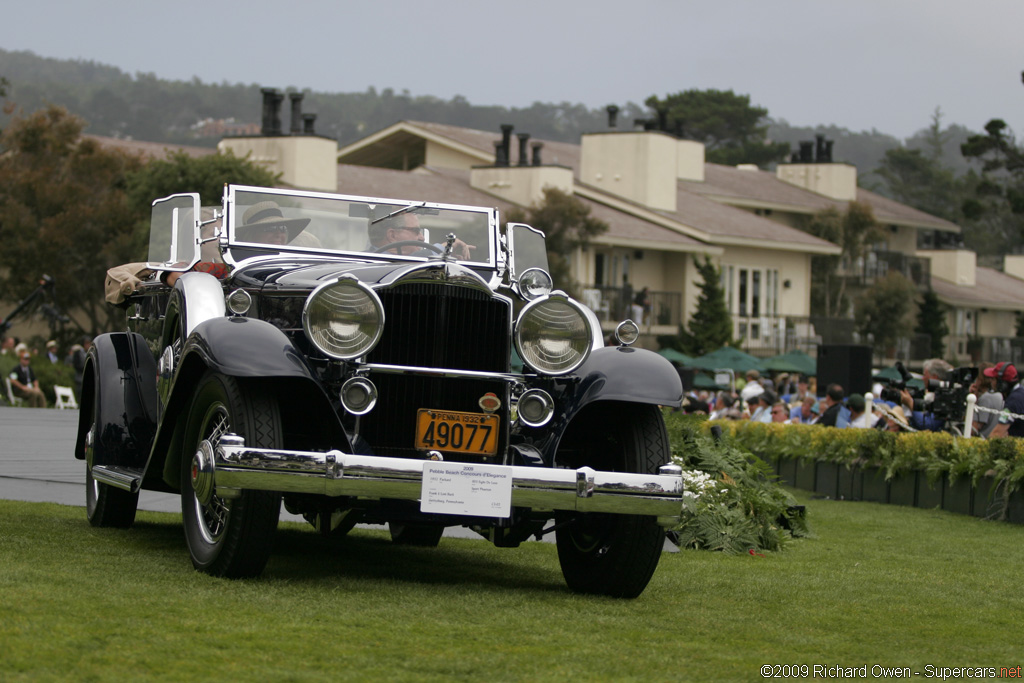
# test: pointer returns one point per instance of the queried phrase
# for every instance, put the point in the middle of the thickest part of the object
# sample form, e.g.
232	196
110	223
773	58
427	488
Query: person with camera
919	414
1008	384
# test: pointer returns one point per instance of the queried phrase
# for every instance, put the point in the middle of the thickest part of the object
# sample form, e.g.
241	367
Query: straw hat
267	215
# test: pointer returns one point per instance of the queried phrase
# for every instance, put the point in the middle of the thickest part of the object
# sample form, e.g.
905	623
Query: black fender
623	373
250	350
119	390
611	373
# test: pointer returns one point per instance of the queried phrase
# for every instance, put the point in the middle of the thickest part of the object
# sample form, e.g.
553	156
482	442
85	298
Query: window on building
743	293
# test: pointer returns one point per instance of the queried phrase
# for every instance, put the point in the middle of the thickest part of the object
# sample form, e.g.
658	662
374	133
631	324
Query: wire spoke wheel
228	537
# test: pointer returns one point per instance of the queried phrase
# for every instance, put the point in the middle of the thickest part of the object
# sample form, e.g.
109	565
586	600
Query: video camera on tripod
950	396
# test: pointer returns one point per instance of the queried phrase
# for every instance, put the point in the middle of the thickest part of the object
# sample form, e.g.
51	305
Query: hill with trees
926	171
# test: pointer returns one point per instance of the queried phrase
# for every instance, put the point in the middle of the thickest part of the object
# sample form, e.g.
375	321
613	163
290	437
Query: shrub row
995	465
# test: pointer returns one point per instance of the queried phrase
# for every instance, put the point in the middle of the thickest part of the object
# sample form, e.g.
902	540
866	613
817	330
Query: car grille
435	326
443	326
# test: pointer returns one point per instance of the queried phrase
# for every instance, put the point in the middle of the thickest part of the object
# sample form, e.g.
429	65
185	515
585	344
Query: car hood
306	275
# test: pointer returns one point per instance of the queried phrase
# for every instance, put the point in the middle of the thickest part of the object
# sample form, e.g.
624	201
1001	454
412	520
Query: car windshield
293	221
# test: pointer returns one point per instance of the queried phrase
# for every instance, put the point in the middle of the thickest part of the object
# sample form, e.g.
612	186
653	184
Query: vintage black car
375	361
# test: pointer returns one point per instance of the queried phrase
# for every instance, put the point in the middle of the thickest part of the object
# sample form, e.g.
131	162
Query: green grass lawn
873	585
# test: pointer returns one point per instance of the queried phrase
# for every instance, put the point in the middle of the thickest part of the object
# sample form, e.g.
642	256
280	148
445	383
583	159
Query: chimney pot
506	143
307	124
536	152
271	102
613	113
296	98
524	138
806	152
499	154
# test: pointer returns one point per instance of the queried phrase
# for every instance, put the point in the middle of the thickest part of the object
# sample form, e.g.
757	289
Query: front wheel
605	554
229	537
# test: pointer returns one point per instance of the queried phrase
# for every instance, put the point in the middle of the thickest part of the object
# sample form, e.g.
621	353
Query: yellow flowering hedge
934	453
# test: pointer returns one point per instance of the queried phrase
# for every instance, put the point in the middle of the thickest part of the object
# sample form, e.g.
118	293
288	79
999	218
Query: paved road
37	464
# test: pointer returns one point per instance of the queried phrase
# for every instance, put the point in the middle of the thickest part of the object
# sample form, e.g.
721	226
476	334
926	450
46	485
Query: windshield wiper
419	205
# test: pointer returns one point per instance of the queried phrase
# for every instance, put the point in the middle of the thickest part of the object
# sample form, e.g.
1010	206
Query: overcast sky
859	64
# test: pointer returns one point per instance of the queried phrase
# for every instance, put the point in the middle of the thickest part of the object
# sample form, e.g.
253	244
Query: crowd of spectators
21	364
795	399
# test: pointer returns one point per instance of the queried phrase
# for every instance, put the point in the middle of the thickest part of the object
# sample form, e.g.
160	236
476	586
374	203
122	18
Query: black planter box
805	478
849	482
787	471
1015	510
984	504
903	489
874	487
956	495
929	495
826	479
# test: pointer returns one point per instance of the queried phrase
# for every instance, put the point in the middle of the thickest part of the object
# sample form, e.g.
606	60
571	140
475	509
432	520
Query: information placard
458	488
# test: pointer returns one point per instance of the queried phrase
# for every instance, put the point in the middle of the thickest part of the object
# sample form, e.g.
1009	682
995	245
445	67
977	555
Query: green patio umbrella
702	381
793	361
887	374
728	357
676	356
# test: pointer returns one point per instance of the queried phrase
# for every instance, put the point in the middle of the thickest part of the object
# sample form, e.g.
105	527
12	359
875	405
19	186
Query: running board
119	477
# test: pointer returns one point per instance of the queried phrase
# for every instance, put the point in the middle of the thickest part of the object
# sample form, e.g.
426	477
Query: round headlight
344	319
552	335
535	283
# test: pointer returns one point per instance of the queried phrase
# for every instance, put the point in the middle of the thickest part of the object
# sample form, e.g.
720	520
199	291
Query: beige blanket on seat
123	280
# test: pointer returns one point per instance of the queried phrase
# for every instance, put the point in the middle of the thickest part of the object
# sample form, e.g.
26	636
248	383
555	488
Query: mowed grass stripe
874	584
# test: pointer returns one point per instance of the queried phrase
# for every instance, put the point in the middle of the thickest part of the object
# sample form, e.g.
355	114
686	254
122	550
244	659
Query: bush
732	501
937	454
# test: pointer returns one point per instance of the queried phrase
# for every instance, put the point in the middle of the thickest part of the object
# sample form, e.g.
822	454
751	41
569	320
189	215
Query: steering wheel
408	243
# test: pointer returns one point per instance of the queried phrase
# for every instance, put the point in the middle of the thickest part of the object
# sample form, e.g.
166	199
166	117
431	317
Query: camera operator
935	369
1008	384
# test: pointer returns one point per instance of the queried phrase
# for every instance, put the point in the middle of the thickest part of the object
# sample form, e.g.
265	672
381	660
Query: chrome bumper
334	473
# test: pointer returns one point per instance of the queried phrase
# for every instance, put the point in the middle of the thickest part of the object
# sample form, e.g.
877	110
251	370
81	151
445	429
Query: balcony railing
611	305
877	264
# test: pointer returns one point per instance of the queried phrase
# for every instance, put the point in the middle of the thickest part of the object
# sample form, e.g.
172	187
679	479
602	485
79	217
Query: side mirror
527	249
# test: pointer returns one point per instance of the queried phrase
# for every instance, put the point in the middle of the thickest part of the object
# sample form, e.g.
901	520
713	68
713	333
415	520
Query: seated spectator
858	418
727	409
804	412
763	412
780	413
25	384
833	406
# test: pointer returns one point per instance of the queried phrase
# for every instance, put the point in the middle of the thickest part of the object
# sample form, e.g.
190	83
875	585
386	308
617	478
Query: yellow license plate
446	430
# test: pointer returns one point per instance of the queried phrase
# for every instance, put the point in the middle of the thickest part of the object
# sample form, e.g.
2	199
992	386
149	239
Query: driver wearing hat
265	223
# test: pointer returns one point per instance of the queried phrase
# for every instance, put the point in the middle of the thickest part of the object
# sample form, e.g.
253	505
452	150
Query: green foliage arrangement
937	454
732	501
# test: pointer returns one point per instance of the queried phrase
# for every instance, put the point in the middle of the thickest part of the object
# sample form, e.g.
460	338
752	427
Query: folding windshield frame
234	213
174	230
